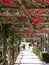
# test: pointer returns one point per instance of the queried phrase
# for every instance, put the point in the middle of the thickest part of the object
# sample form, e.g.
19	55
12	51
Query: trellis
12	23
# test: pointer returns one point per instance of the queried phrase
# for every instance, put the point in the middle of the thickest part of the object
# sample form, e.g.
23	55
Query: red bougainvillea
34	10
39	31
7	2
40	11
0	1
47	0
36	20
30	10
30	29
35	0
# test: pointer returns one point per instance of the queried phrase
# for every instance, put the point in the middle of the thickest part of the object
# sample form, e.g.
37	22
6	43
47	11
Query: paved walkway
27	57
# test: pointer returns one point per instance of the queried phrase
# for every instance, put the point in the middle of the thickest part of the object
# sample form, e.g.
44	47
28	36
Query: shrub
36	50
1	60
42	55
46	57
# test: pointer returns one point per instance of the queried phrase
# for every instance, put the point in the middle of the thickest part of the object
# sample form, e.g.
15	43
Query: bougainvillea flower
30	29
47	0
47	4
34	10
35	0
35	20
30	10
39	31
40	11
0	1
7	2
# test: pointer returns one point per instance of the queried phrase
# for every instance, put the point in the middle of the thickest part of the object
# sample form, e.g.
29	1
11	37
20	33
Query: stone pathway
27	57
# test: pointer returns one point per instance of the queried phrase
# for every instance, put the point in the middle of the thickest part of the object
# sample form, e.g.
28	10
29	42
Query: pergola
21	19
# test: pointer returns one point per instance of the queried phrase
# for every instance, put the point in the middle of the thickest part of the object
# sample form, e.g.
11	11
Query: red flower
40	11
47	0
47	4
38	31
7	2
30	29
34	10
0	1
30	10
35	20
35	0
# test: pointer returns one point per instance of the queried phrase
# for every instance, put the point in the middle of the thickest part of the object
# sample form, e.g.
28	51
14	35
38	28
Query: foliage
6	29
46	57
1	60
42	55
36	50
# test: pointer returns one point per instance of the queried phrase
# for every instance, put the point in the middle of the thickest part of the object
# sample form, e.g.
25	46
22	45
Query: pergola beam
18	23
14	15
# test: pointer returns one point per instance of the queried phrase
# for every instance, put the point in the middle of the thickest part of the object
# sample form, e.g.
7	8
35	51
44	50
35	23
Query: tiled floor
27	57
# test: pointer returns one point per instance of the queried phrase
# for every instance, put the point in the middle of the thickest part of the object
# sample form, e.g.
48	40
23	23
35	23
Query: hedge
42	55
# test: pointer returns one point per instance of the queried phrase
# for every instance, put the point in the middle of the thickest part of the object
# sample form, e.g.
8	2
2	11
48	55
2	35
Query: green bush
1	60
36	50
42	55
46	57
